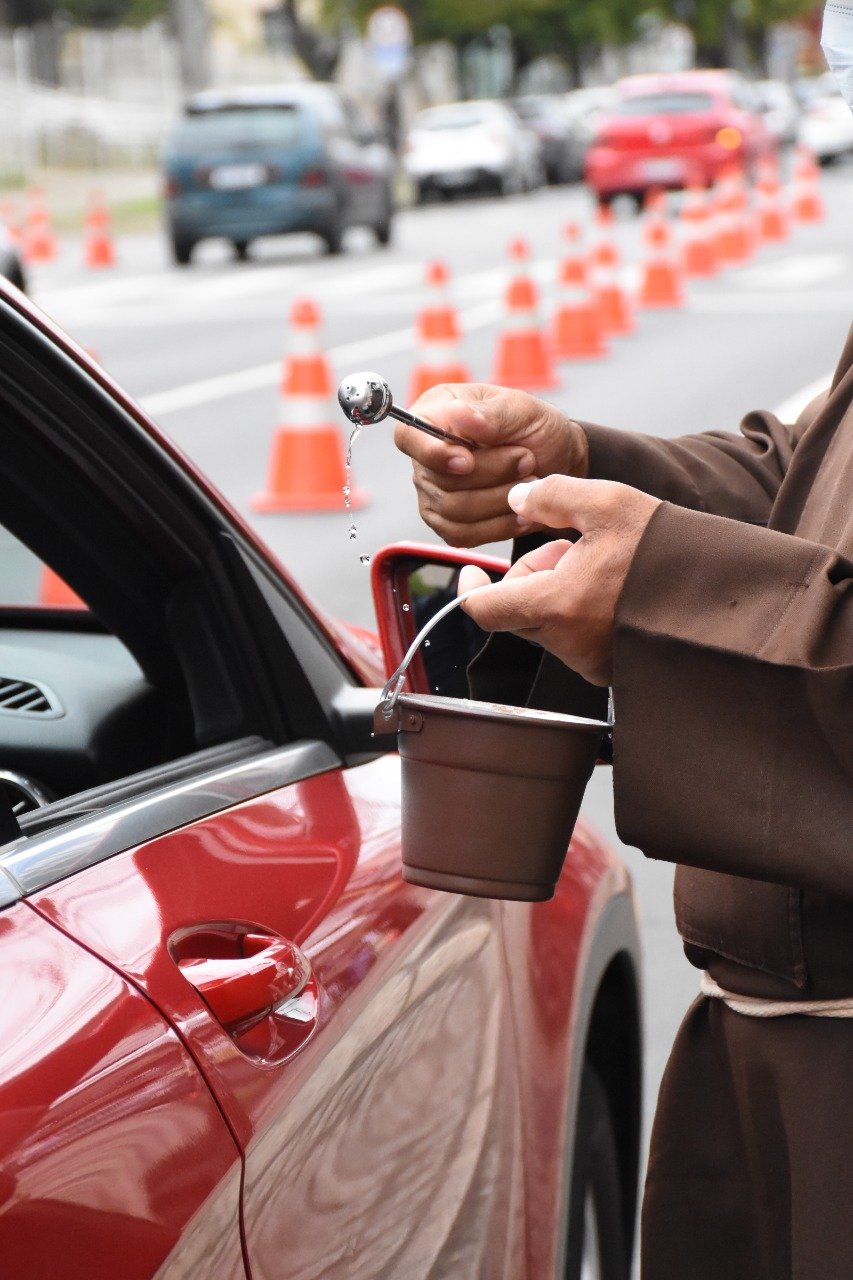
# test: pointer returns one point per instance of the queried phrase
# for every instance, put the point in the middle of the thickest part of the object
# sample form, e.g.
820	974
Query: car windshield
533	109
462	117
236	127
665	104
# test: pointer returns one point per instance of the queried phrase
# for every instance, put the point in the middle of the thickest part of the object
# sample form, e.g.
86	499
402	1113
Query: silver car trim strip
10	892
43	859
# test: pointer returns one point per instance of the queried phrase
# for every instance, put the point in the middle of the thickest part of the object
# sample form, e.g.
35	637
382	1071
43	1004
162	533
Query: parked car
583	109
255	162
826	123
11	263
233	1039
674	131
778	104
546	115
479	145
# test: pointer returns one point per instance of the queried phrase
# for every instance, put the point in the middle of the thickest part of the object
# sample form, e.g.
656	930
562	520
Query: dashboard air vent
26	698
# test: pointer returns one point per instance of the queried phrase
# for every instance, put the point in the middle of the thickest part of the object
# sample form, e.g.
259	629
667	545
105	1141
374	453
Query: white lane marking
364	351
824	300
796	271
189	294
789	410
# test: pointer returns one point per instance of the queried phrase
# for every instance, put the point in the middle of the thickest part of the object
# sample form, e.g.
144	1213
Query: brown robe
733	757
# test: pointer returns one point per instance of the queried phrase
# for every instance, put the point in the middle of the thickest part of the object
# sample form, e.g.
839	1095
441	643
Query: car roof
479	104
272	95
706	81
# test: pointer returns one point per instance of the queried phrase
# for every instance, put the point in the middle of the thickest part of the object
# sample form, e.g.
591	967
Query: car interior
178	661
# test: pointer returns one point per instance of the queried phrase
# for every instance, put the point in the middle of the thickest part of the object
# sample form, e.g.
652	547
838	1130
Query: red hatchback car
675	131
234	1042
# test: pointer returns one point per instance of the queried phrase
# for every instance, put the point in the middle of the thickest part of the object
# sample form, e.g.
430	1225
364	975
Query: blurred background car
11	265
826	124
778	104
263	161
480	145
547	116
675	131
583	108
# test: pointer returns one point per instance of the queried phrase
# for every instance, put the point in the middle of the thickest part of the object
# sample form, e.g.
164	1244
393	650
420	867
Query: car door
353	1029
114	1158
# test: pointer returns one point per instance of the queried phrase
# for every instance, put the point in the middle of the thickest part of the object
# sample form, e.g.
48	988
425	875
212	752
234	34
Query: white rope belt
758	1007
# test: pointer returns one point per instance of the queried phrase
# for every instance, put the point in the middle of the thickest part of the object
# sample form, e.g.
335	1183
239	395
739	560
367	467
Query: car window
665	104
461	117
237	127
27	582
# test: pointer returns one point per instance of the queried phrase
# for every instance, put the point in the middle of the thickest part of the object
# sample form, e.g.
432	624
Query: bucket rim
501	712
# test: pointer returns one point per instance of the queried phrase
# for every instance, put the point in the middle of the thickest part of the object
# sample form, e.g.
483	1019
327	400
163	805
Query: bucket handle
394	684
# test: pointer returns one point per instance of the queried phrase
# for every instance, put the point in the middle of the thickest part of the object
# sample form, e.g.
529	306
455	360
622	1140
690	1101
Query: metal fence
75	97
70	96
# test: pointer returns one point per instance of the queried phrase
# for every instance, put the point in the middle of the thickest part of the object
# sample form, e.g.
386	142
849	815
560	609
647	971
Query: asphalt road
202	349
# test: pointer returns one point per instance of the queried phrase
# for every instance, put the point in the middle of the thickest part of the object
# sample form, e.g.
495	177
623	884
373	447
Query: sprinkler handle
403	415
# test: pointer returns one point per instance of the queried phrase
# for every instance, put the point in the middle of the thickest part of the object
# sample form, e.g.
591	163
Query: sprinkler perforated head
365	398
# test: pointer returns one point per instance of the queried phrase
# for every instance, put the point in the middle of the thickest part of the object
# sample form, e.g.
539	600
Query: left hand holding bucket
563	595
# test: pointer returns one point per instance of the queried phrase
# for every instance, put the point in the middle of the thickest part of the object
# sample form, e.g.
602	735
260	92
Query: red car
670	131
234	1042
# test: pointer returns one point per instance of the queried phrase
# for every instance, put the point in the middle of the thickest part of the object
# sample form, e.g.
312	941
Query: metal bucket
491	793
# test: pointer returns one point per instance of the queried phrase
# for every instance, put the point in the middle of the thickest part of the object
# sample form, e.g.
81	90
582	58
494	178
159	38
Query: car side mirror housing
411	581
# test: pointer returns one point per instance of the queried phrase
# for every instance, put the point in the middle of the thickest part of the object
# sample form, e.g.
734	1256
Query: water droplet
353	533
406	607
364	559
354	434
426	642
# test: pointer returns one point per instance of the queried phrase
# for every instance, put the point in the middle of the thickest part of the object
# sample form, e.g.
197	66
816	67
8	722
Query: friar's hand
462	495
564	595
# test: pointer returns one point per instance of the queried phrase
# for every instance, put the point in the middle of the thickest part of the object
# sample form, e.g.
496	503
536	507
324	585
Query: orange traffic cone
10	218
614	305
38	242
662	275
55	593
578	330
771	216
307	470
439	336
806	201
522	358
99	249
700	251
735	239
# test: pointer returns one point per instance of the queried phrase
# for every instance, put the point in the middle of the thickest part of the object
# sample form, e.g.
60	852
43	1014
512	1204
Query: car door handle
240	990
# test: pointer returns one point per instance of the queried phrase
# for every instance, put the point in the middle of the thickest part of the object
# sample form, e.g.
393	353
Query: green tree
719	28
111	13
565	27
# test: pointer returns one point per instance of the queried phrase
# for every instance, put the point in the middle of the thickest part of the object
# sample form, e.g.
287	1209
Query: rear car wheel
596	1245
385	227
182	249
333	236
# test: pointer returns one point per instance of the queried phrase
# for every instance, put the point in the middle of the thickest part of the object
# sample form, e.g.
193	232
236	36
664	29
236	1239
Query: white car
826	123
477	145
778	104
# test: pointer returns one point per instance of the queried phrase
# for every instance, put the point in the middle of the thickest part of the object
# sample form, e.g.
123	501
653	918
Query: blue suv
264	161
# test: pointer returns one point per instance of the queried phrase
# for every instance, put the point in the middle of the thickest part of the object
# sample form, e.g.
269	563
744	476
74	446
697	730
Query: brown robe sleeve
733	691
730	475
733	661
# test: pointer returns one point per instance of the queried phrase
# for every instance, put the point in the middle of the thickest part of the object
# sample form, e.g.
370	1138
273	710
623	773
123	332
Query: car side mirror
411	582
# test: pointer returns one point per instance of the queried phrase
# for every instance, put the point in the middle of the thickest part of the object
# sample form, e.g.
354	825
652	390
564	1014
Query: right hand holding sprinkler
462	496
